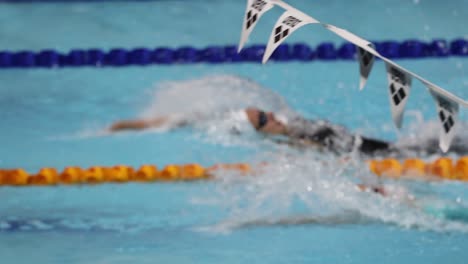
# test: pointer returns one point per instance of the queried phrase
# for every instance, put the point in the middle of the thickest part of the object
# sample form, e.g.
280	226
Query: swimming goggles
262	119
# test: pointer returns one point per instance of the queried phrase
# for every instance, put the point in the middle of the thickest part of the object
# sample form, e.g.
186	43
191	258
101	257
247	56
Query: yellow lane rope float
116	174
441	168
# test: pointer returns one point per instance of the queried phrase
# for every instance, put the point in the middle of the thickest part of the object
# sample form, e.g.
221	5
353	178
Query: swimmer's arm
137	124
141	124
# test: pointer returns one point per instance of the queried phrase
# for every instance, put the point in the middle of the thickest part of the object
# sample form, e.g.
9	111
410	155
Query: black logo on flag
365	56
259	5
251	19
445	115
281	32
398	82
447	121
397	95
291	21
252	16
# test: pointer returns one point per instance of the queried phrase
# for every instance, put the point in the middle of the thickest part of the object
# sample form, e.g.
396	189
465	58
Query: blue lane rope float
326	51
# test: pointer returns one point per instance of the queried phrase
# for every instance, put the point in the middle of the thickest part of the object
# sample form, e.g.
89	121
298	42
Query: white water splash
214	104
212	94
306	189
423	137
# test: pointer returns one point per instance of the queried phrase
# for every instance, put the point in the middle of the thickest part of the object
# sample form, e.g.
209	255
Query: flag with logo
447	112
290	21
399	85
366	61
255	9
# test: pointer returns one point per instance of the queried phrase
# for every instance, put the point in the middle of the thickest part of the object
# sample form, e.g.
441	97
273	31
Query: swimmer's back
333	137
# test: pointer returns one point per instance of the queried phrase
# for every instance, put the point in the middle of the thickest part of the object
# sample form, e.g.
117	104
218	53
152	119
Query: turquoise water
299	210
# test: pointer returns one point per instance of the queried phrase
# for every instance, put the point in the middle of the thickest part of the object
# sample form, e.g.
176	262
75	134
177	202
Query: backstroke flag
364	51
289	22
399	85
366	61
447	112
255	9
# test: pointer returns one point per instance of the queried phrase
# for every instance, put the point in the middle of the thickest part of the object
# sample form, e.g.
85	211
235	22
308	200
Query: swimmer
298	131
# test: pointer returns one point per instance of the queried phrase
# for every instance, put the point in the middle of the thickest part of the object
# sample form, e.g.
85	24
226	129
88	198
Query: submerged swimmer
297	131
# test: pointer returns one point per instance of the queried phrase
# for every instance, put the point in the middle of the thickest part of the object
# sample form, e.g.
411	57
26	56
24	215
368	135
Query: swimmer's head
266	122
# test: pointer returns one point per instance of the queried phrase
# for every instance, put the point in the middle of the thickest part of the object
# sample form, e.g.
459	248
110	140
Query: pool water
302	208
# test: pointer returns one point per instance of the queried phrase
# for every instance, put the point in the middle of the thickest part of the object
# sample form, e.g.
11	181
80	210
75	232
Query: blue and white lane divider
326	51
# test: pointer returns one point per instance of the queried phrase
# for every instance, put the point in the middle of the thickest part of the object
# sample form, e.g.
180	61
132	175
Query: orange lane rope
116	174
441	168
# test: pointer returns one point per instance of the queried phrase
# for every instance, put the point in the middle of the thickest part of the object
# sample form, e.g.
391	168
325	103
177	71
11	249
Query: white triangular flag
447	111
399	85
366	61
255	9
289	22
